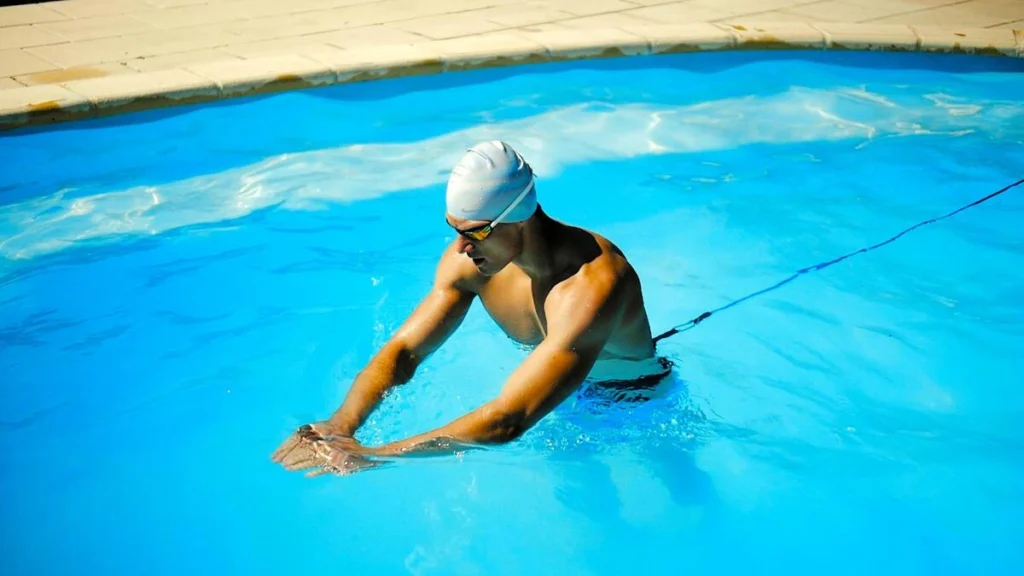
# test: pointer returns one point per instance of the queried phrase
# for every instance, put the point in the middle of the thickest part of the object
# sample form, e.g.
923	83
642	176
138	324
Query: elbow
397	360
504	426
406	364
506	434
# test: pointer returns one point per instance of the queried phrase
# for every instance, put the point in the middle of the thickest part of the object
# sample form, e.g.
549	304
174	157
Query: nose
465	246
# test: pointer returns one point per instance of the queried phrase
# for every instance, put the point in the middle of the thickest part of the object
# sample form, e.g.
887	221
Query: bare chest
517	306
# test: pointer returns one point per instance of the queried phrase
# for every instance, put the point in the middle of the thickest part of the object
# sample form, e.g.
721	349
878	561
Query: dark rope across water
704	316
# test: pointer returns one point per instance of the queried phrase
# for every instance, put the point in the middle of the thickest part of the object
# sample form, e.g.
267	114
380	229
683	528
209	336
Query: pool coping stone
328	65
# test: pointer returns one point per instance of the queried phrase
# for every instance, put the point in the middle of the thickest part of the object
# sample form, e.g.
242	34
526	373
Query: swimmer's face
490	254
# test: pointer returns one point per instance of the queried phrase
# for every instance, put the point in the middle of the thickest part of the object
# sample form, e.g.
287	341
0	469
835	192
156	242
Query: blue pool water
181	288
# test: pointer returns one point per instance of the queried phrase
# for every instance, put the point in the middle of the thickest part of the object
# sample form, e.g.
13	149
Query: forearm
486	425
392	366
532	391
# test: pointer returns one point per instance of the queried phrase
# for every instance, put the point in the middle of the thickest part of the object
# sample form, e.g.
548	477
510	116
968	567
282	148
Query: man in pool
568	293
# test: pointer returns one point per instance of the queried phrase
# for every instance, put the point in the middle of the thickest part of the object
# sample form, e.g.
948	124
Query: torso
517	306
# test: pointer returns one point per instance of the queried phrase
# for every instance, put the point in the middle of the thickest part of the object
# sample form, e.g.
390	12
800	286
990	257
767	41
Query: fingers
318	472
314	446
322	448
287	446
325	469
305	450
305	432
299	459
304	456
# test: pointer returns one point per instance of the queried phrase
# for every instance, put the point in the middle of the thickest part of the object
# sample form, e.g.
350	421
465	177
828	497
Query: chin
489	268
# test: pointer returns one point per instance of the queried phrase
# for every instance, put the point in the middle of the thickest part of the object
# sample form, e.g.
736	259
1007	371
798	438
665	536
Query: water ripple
32	419
180	319
97	339
33	329
157	274
553	141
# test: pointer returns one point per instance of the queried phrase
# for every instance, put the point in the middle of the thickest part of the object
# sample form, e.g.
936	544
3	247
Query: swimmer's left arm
578	327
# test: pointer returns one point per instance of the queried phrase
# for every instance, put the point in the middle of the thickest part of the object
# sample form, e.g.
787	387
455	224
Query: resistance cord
688	325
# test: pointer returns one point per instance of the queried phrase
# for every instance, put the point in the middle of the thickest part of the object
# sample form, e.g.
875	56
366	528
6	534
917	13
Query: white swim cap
487	180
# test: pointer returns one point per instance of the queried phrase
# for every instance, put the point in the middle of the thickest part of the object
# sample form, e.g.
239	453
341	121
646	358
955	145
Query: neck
539	257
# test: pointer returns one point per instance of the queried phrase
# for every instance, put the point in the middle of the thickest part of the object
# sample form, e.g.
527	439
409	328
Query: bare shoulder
609	270
454	270
612	257
603	283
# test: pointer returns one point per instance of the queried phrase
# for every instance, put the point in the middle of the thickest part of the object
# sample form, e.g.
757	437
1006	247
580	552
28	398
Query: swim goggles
481	232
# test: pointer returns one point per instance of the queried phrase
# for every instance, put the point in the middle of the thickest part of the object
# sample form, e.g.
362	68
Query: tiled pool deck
79	58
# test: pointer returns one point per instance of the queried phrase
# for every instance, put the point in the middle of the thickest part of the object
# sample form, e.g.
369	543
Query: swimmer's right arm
431	323
436	317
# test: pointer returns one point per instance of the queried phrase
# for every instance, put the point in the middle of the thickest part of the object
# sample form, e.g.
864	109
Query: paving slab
114	54
29	14
26	36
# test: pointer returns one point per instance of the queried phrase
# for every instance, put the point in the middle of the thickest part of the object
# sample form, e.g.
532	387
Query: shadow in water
610	446
587	479
653	423
596	444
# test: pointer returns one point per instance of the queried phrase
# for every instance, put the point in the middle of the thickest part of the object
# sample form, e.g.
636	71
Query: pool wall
97	97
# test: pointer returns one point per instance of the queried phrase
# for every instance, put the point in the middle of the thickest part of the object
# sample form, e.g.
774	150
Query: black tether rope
816	267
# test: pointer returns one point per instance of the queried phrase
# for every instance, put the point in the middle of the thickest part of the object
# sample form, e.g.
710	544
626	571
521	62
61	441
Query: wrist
341	425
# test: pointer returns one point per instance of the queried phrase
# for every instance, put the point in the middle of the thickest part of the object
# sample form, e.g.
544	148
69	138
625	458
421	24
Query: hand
343	455
299	450
319	445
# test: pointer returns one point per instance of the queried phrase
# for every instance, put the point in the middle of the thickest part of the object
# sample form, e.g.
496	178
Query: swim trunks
616	370
626	381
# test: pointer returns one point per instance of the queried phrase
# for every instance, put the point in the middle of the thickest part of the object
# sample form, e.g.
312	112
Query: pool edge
91	98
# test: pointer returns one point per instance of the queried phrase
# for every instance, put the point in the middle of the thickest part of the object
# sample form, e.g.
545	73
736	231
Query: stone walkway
56	42
73	41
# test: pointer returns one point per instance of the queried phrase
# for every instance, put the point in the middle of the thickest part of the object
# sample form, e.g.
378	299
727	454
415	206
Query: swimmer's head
490	195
